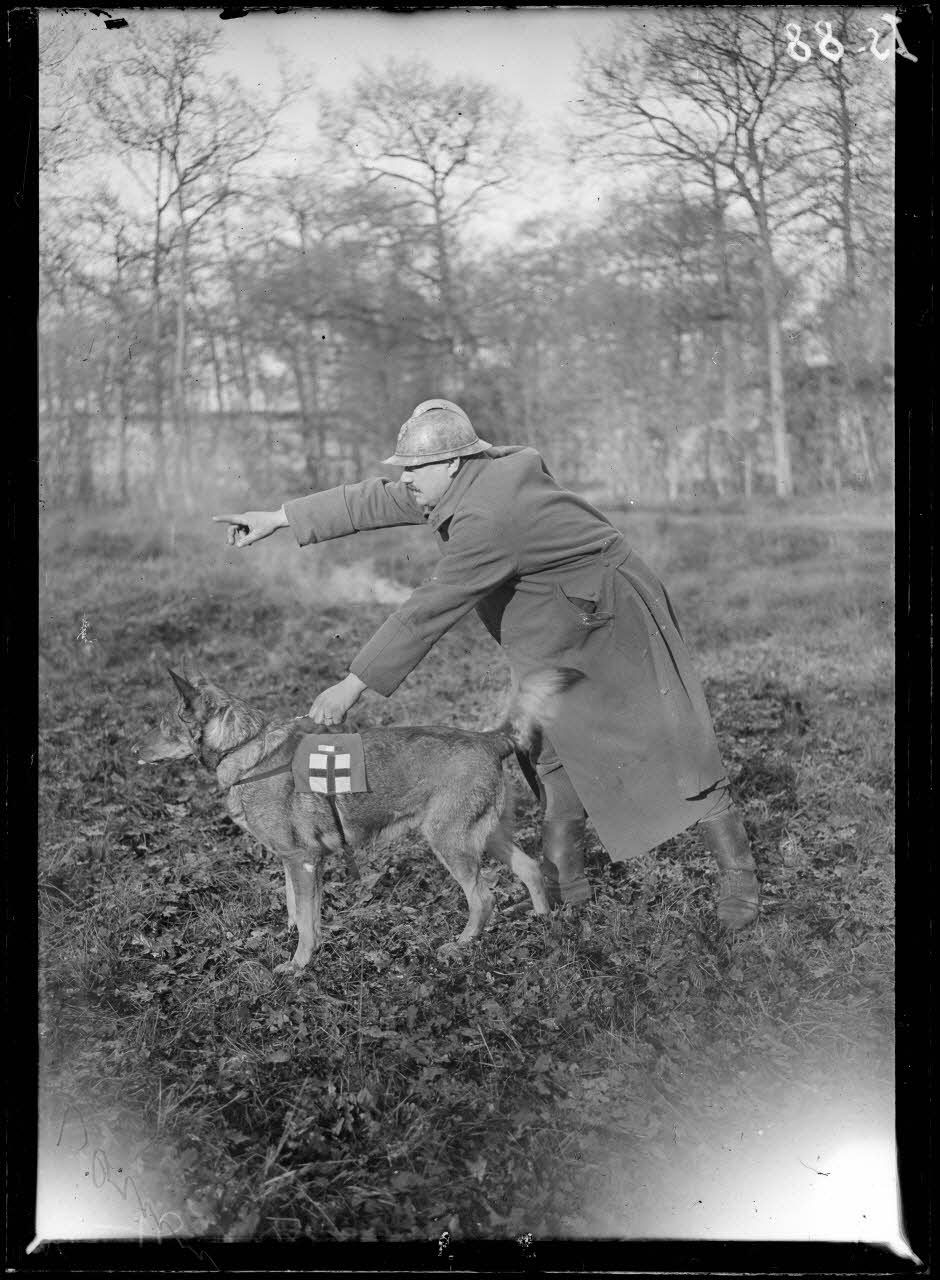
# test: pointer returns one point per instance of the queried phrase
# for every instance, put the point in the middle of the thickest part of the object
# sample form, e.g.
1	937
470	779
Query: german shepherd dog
447	783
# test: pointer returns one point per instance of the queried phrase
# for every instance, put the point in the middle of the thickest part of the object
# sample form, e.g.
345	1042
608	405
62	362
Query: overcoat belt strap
611	555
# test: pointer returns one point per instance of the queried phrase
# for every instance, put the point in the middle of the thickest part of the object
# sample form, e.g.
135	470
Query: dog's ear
188	692
213	692
191	672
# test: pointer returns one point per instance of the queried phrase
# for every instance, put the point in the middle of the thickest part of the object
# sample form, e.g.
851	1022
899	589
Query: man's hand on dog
331	705
252	526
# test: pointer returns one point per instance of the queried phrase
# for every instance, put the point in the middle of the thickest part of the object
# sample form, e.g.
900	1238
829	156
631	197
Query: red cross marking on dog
330	772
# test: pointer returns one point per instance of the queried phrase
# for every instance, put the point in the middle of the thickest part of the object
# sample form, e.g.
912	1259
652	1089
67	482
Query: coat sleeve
479	558
334	513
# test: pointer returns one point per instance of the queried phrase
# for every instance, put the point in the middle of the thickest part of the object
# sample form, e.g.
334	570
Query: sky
531	55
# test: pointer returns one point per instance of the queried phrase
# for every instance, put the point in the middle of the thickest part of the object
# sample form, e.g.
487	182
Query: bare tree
855	121
712	94
189	141
436	150
63	136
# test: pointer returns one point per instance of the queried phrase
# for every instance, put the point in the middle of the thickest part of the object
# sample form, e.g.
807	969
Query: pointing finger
239	519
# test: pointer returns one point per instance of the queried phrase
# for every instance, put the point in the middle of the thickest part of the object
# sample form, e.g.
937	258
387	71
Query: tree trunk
242	370
156	355
105	415
268	445
457	356
730	404
708	476
845	179
868	456
82	457
533	417
217	376
60	411
122	408
855	437
184	454
672	476
770	291
306	419
847	447
246	386
316	399
846	212
120	370
831	465
776	403
727	334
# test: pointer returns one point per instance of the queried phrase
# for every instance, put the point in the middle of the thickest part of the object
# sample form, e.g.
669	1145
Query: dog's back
420	771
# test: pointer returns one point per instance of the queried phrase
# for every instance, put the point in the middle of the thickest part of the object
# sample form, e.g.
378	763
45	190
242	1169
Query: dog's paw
520	909
450	951
290	968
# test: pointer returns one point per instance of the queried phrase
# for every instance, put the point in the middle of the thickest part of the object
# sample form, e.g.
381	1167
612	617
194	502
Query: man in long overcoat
556	585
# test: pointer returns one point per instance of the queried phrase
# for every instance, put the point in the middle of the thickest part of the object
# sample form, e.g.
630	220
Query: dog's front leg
305	885
291	900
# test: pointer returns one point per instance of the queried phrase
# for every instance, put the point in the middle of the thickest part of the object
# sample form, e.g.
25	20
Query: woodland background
719	325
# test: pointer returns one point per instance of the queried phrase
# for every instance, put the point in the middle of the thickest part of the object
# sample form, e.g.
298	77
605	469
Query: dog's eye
176	721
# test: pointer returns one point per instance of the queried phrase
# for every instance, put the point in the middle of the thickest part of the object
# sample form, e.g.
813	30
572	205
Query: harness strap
351	866
256	777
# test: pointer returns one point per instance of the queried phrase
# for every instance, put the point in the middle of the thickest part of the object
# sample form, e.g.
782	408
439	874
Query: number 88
800	51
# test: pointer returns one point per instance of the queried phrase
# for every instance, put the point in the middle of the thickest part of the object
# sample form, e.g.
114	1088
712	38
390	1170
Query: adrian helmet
437	430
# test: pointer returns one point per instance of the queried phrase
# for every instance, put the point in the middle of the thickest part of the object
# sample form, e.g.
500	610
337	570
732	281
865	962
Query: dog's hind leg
460	854
306	884
500	845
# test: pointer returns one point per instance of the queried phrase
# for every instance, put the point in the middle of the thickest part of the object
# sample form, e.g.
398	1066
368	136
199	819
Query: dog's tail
532	702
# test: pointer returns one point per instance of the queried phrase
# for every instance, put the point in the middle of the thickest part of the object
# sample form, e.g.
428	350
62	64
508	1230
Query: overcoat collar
465	478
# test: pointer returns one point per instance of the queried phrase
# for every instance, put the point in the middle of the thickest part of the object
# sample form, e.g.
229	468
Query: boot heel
563	862
738	898
738	888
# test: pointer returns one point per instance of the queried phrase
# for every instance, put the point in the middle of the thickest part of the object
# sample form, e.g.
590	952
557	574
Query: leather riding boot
738	889
563	861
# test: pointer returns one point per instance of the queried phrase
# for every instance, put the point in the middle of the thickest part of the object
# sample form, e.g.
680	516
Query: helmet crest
437	430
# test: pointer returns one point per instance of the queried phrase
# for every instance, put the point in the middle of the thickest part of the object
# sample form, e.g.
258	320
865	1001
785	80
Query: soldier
555	584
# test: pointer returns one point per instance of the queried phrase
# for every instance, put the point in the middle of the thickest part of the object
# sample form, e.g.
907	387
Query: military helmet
437	430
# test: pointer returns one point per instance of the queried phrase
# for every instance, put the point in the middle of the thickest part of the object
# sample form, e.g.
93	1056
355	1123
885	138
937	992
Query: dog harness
323	764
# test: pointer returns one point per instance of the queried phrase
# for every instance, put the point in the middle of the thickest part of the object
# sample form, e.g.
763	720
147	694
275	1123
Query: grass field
625	1071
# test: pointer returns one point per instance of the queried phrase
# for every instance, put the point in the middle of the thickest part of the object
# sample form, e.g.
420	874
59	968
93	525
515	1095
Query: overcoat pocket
584	601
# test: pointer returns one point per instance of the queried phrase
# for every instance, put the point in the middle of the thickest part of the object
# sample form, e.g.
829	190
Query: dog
447	783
